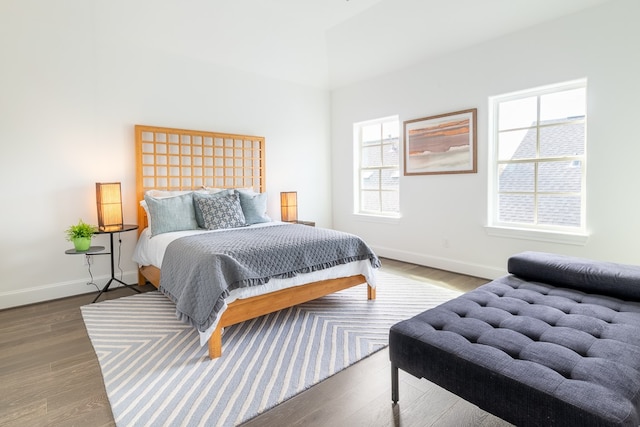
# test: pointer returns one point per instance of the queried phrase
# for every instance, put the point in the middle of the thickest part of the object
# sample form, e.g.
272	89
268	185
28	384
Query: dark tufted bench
557	342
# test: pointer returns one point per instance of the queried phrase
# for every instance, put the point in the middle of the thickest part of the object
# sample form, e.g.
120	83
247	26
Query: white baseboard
440	263
59	290
66	289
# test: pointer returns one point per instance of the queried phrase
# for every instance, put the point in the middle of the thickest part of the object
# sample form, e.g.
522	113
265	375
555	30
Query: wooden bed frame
179	159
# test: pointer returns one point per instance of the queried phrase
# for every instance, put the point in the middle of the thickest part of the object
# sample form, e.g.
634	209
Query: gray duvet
199	271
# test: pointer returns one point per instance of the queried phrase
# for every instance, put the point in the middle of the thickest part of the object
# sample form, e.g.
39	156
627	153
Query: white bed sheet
150	251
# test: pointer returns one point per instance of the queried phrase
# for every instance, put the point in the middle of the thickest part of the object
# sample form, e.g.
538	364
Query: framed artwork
441	144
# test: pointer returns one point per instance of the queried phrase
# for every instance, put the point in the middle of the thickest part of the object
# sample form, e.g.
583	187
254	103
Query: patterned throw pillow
222	212
196	205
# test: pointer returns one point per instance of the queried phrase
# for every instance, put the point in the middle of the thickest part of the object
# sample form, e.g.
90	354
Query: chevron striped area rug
156	373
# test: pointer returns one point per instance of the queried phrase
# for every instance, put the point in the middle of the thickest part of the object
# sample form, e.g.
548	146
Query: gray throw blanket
199	271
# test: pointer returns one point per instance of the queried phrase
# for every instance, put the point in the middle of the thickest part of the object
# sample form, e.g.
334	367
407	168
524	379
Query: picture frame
442	144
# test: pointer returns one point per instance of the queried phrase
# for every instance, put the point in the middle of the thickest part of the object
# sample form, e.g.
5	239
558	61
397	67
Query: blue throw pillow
254	207
171	213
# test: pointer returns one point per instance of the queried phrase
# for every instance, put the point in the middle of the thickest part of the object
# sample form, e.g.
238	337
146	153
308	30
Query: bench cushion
605	278
530	353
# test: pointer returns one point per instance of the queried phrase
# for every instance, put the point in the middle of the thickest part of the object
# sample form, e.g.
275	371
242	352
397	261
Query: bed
186	166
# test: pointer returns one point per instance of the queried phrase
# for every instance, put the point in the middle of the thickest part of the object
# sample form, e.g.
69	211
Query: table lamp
289	206
109	202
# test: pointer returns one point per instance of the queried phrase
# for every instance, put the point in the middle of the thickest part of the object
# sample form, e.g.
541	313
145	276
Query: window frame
358	146
534	231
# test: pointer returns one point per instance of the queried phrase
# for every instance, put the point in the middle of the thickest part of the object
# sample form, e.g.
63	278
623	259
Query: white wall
600	44
75	79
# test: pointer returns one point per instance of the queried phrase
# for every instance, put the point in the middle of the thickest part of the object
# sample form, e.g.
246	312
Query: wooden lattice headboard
179	159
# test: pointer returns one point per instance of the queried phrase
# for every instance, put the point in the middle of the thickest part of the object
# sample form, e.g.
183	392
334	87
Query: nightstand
111	230
309	223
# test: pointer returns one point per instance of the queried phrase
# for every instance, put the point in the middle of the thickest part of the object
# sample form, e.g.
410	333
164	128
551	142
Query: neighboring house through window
537	179
377	157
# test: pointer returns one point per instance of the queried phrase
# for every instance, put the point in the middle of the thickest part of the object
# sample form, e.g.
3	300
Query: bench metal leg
394	384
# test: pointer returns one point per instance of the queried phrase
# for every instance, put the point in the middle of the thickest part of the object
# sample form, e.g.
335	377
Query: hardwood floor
49	375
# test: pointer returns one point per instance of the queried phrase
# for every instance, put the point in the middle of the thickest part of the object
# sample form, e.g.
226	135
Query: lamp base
110	228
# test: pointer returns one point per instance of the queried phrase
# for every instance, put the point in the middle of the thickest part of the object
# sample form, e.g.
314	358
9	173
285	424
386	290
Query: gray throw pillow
197	196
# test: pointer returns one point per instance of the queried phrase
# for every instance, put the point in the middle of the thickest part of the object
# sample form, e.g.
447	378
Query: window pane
371	156
561	176
516	177
370	201
390	201
391	130
371	133
563	105
559	210
390	179
390	154
370	179
519	113
562	140
516	208
517	144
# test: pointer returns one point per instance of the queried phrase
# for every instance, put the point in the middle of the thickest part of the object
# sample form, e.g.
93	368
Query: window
539	159
377	177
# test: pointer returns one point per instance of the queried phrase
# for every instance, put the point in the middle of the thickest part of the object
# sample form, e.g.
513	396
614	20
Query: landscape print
441	144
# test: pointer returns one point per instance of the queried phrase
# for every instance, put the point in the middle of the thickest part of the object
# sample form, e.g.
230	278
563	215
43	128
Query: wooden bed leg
141	279
215	343
394	384
371	292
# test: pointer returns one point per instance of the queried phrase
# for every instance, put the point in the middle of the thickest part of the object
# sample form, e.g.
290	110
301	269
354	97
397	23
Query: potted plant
81	234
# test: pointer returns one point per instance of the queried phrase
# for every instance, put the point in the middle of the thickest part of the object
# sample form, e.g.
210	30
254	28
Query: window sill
579	239
377	218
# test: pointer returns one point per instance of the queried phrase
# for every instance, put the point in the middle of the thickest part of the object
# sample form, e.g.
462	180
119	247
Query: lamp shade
109	202
289	206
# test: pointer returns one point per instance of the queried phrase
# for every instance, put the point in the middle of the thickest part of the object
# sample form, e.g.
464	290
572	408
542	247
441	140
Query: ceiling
326	43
